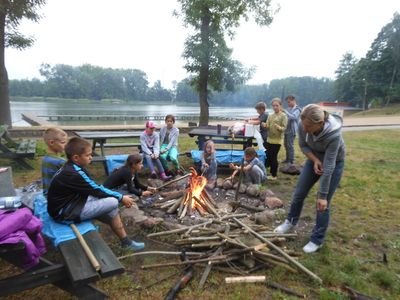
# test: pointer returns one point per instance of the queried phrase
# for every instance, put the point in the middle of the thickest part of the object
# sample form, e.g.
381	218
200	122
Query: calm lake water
62	108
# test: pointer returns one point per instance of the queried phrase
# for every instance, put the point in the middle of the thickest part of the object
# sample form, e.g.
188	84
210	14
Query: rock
256	203
227	185
151	222
253	190
273	202
242	188
158	213
220	182
133	216
155	182
230	194
265	217
266	193
211	185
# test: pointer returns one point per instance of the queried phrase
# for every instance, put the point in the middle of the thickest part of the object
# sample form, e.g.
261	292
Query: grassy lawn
364	225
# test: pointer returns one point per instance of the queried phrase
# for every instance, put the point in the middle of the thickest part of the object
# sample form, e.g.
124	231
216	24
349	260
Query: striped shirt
51	163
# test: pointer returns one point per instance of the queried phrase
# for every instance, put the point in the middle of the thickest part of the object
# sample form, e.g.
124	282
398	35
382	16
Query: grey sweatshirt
293	115
173	136
150	143
328	146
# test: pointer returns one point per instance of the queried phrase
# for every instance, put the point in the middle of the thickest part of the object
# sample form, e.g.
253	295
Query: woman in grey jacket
321	141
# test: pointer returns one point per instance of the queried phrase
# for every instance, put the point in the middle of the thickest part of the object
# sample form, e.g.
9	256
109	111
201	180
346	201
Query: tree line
96	83
215	78
375	78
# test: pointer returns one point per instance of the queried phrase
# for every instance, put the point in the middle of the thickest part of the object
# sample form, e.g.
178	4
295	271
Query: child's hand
151	189
232	166
205	166
163	151
147	193
127	201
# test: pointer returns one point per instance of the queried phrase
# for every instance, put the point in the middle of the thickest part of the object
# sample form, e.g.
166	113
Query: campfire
195	199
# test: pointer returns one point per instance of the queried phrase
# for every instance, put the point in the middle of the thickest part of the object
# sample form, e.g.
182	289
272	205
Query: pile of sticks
229	245
194	198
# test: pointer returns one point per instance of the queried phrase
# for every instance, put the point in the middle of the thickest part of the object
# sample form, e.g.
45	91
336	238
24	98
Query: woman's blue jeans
306	181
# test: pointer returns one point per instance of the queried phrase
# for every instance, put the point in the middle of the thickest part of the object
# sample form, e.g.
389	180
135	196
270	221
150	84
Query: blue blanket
115	161
57	232
226	156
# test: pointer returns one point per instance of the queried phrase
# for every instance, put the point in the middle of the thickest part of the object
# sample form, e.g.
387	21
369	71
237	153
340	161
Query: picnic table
204	133
17	151
100	138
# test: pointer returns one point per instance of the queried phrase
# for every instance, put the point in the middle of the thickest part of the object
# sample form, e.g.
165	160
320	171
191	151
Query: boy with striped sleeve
74	196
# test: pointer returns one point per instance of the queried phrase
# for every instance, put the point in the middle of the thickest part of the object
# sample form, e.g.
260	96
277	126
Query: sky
306	38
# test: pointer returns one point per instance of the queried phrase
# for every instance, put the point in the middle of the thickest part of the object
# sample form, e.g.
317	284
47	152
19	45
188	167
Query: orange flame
196	185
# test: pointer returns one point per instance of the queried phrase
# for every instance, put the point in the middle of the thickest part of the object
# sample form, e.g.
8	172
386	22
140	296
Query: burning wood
195	199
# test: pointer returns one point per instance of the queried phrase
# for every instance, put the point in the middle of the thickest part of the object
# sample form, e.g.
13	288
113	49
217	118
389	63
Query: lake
63	108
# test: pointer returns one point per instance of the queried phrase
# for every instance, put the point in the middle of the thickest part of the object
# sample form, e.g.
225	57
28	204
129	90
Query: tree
384	57
343	87
11	14
206	53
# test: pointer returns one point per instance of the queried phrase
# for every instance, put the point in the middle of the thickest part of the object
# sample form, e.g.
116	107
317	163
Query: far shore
349	121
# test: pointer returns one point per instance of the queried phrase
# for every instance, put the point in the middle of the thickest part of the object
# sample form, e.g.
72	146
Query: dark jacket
123	176
69	191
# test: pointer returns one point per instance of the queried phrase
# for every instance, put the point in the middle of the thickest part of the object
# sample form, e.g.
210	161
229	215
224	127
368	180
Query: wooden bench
16	151
74	275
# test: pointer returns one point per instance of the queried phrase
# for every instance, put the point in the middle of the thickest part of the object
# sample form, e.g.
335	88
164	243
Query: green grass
364	225
393	109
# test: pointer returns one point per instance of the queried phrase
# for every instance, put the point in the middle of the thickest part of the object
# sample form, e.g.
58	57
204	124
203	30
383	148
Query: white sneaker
311	247
283	228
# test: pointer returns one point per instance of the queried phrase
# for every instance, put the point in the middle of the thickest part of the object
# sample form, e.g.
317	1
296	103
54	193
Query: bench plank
109	263
115	145
79	268
31	279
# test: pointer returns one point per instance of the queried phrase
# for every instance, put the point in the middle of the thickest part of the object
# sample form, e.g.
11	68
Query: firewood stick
201	211
179	230
86	248
160	253
214	211
209	198
172	181
184	210
227	217
182	203
174	207
187	262
280	251
206	245
273	262
248	279
284	289
168	204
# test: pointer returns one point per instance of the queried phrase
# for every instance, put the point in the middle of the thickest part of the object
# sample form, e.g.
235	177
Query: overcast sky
306	38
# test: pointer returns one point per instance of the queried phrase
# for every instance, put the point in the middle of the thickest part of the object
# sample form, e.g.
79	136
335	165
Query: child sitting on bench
74	197
150	143
254	169
169	136
128	175
55	139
